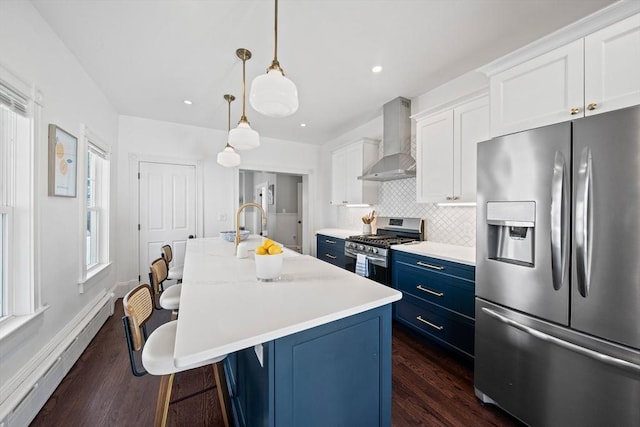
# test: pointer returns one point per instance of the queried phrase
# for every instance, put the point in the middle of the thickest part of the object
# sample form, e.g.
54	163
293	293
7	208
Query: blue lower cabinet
438	299
330	249
446	327
338	374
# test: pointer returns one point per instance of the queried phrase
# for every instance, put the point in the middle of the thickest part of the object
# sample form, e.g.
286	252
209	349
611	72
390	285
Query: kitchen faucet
264	222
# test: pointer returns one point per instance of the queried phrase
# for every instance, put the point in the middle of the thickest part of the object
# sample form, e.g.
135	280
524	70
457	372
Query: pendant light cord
275	65
229	99
243	54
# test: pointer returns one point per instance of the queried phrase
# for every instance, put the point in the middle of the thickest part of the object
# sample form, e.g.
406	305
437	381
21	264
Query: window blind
13	99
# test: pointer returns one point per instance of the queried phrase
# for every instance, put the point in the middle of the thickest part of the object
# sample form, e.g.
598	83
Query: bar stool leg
164	396
223	392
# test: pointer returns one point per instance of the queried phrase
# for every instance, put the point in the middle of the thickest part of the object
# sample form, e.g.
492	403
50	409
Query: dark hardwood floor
431	387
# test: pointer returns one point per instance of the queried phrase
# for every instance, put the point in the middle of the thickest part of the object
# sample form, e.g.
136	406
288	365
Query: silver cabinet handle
431	266
330	256
429	291
559	237
614	361
583	222
331	242
426	322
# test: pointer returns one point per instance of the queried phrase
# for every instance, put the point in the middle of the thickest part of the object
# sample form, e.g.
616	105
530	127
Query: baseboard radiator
28	407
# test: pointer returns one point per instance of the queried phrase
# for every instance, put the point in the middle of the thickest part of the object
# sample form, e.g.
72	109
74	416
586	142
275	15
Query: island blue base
338	374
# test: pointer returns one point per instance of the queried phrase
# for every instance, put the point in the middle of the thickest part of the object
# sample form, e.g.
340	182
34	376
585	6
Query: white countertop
461	254
224	308
339	233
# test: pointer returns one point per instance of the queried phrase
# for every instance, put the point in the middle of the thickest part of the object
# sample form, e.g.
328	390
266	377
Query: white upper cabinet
612	64
547	89
470	126
434	157
589	76
347	164
446	152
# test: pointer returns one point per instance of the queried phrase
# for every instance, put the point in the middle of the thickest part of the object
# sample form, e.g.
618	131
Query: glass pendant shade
243	137
274	95
228	157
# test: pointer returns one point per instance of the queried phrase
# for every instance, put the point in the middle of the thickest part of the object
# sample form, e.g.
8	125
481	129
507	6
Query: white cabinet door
353	171
471	125
434	152
338	174
347	164
545	90
612	67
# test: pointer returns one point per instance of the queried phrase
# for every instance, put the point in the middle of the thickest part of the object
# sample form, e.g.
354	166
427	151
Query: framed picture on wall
63	162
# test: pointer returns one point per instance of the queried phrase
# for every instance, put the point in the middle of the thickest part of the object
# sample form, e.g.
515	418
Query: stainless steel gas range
375	249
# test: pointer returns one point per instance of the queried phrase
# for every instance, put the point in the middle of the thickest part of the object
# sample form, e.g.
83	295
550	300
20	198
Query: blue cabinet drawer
447	328
330	249
426	263
447	291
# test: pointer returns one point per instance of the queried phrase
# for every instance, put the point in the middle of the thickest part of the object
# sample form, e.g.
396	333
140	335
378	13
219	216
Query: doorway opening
281	197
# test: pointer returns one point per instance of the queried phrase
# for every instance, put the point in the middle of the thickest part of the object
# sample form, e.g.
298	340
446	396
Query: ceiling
147	56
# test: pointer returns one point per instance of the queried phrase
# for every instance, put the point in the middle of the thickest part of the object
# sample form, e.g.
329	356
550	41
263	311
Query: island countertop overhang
224	308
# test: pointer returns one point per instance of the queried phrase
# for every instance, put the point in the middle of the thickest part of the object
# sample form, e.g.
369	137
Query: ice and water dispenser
511	230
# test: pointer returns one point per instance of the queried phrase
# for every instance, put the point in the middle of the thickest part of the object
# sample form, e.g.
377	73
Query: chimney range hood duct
396	162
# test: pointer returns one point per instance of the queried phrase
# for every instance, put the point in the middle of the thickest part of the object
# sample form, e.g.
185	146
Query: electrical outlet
222	217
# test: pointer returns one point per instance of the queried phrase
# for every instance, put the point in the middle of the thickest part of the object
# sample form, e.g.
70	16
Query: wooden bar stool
169	298
157	353
175	272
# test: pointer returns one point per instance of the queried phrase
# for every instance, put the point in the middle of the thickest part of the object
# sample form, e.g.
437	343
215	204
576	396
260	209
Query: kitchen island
313	348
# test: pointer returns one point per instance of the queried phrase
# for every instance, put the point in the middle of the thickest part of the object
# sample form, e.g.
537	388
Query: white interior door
167	211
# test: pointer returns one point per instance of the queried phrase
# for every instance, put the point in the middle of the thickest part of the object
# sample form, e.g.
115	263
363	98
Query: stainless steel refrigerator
557	339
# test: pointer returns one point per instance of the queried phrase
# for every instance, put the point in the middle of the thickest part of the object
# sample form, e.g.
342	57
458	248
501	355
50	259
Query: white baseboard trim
121	288
23	395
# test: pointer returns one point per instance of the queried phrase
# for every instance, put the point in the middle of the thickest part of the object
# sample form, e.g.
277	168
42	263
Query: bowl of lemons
268	259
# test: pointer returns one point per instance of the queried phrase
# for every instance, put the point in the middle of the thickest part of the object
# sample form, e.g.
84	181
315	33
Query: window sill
13	323
96	273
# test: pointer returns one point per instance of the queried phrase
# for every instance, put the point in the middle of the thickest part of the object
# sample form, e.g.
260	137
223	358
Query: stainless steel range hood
396	162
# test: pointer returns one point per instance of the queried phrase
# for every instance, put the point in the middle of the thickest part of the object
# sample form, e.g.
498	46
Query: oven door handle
377	260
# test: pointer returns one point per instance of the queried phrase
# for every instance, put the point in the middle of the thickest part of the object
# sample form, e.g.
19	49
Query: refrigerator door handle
583	222
559	237
609	360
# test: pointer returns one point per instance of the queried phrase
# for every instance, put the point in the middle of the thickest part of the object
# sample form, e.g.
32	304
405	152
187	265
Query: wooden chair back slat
167	253
138	306
159	273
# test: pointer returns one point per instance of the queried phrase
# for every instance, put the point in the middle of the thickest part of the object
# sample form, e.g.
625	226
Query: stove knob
361	247
374	250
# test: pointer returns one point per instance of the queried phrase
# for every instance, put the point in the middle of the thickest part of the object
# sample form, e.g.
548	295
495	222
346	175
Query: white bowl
269	267
230	236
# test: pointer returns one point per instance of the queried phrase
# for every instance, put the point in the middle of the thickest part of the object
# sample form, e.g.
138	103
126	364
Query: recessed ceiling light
303	125
376	69
186	101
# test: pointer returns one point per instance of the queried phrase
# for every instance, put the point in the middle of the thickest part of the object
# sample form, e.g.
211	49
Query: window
17	290
96	209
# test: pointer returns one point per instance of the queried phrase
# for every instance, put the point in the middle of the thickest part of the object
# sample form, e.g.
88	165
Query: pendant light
228	157
243	137
273	94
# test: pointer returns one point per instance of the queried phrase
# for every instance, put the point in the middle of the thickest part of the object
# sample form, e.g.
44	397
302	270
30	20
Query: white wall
33	52
144	138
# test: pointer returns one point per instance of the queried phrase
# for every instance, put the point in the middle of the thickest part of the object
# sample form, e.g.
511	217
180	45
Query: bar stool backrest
138	307
159	273
167	253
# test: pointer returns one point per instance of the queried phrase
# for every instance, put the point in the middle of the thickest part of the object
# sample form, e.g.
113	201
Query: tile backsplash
455	225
